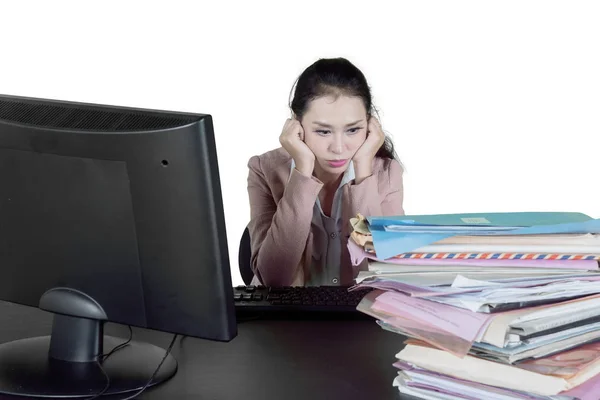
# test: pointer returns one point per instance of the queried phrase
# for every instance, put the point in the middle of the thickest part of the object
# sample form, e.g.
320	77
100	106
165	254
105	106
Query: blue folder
389	244
518	219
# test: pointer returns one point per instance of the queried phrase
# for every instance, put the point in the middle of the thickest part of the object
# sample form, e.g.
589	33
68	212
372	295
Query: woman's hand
292	140
363	158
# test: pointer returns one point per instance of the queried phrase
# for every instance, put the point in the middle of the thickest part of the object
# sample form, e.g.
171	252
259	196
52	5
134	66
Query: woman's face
334	130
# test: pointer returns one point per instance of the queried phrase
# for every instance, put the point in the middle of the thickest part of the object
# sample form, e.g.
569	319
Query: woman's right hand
292	140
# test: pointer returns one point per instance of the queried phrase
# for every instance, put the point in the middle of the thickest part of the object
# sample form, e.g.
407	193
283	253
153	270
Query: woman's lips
337	163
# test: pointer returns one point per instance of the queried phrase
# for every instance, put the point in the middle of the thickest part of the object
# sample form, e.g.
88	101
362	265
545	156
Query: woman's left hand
363	158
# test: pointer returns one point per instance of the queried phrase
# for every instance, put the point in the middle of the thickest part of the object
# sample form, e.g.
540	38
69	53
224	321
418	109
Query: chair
244	255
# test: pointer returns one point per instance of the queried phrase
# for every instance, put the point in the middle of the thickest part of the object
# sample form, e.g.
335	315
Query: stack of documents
482	246
496	306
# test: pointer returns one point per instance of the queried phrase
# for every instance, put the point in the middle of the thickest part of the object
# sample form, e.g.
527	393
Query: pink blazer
281	209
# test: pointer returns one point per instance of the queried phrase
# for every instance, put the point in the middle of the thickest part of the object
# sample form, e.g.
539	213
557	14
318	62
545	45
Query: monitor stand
65	364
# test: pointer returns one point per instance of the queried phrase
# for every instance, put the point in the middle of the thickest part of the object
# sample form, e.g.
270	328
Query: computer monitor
108	214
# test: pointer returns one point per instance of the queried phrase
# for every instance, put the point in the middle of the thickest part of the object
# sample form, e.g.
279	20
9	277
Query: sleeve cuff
303	187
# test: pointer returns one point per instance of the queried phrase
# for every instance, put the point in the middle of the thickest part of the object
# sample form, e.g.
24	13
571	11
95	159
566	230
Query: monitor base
27	370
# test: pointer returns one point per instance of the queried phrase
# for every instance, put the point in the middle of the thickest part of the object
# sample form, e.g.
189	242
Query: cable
155	371
107	382
119	347
103	358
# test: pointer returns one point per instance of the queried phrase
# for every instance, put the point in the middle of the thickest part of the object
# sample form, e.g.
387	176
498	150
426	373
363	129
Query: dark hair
335	77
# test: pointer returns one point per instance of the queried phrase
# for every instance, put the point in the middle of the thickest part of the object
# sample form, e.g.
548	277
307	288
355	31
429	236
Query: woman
335	162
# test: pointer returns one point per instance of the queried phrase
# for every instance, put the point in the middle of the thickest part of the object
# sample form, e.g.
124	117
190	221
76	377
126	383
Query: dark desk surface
269	359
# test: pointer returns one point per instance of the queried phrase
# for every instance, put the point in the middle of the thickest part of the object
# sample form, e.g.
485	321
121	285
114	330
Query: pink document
407	326
565	364
589	390
454	322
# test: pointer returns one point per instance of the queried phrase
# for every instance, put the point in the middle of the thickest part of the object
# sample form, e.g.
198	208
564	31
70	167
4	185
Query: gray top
327	253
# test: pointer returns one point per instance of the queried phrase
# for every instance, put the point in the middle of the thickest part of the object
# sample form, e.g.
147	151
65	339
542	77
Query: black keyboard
290	300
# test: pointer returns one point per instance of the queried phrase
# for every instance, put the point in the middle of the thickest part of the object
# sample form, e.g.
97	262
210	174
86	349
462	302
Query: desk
269	359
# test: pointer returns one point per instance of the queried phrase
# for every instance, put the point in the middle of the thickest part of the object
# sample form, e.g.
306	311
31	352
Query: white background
493	105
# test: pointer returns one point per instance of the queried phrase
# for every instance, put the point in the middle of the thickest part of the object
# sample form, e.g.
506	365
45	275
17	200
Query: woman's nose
337	145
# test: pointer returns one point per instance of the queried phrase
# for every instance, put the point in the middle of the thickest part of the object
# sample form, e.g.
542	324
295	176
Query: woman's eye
353	130
322	132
